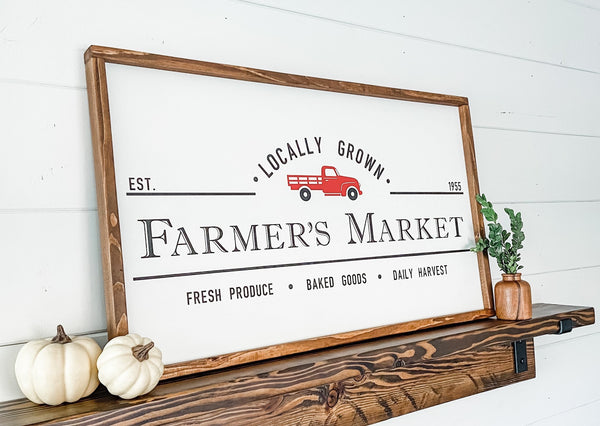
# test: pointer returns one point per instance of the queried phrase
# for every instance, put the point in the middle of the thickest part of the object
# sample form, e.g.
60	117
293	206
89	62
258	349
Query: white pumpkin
57	370
130	366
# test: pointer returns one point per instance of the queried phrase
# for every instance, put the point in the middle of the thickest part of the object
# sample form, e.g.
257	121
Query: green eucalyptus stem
497	243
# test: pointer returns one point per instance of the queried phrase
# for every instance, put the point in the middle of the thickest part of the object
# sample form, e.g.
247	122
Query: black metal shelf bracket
565	325
520	351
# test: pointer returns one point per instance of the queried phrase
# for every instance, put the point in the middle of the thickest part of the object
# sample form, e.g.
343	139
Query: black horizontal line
288	265
189	194
428	193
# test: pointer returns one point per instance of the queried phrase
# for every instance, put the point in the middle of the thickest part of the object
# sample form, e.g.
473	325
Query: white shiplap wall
529	68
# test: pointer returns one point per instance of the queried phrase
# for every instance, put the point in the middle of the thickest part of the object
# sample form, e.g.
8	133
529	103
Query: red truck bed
297	181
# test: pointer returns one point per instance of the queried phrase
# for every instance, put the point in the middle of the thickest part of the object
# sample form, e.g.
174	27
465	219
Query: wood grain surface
106	193
473	186
252	355
361	383
169	63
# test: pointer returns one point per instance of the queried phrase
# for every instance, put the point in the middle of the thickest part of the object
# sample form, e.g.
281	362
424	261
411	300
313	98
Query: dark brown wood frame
95	59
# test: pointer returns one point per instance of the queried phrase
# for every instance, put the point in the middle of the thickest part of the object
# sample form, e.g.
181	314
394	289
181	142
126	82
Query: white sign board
258	220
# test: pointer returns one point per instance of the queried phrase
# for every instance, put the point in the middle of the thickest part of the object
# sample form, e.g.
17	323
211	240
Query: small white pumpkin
57	370
130	366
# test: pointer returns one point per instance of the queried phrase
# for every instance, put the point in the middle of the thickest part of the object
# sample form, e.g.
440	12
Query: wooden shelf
355	384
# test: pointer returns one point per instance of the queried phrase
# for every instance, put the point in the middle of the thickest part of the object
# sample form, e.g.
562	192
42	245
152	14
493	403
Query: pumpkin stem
140	352
61	337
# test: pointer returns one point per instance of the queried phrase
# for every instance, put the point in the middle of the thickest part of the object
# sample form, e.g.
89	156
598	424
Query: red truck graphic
330	182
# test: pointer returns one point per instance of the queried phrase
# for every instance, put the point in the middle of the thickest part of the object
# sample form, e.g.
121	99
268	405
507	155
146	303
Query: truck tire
352	193
305	193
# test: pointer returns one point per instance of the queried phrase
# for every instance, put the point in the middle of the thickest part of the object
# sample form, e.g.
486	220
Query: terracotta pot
513	298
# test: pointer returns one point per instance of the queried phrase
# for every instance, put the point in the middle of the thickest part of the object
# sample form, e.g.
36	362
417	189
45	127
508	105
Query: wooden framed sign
248	214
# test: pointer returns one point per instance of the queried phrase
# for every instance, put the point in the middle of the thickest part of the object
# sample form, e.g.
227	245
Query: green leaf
480	245
497	245
482	200
489	214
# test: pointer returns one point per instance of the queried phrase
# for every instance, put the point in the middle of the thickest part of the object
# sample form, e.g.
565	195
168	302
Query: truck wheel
305	194
352	193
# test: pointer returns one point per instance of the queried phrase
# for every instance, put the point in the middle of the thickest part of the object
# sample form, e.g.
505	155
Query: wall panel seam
549	201
5	80
92	334
564	341
543	132
26	210
414	37
579	4
554	271
543	419
577	268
